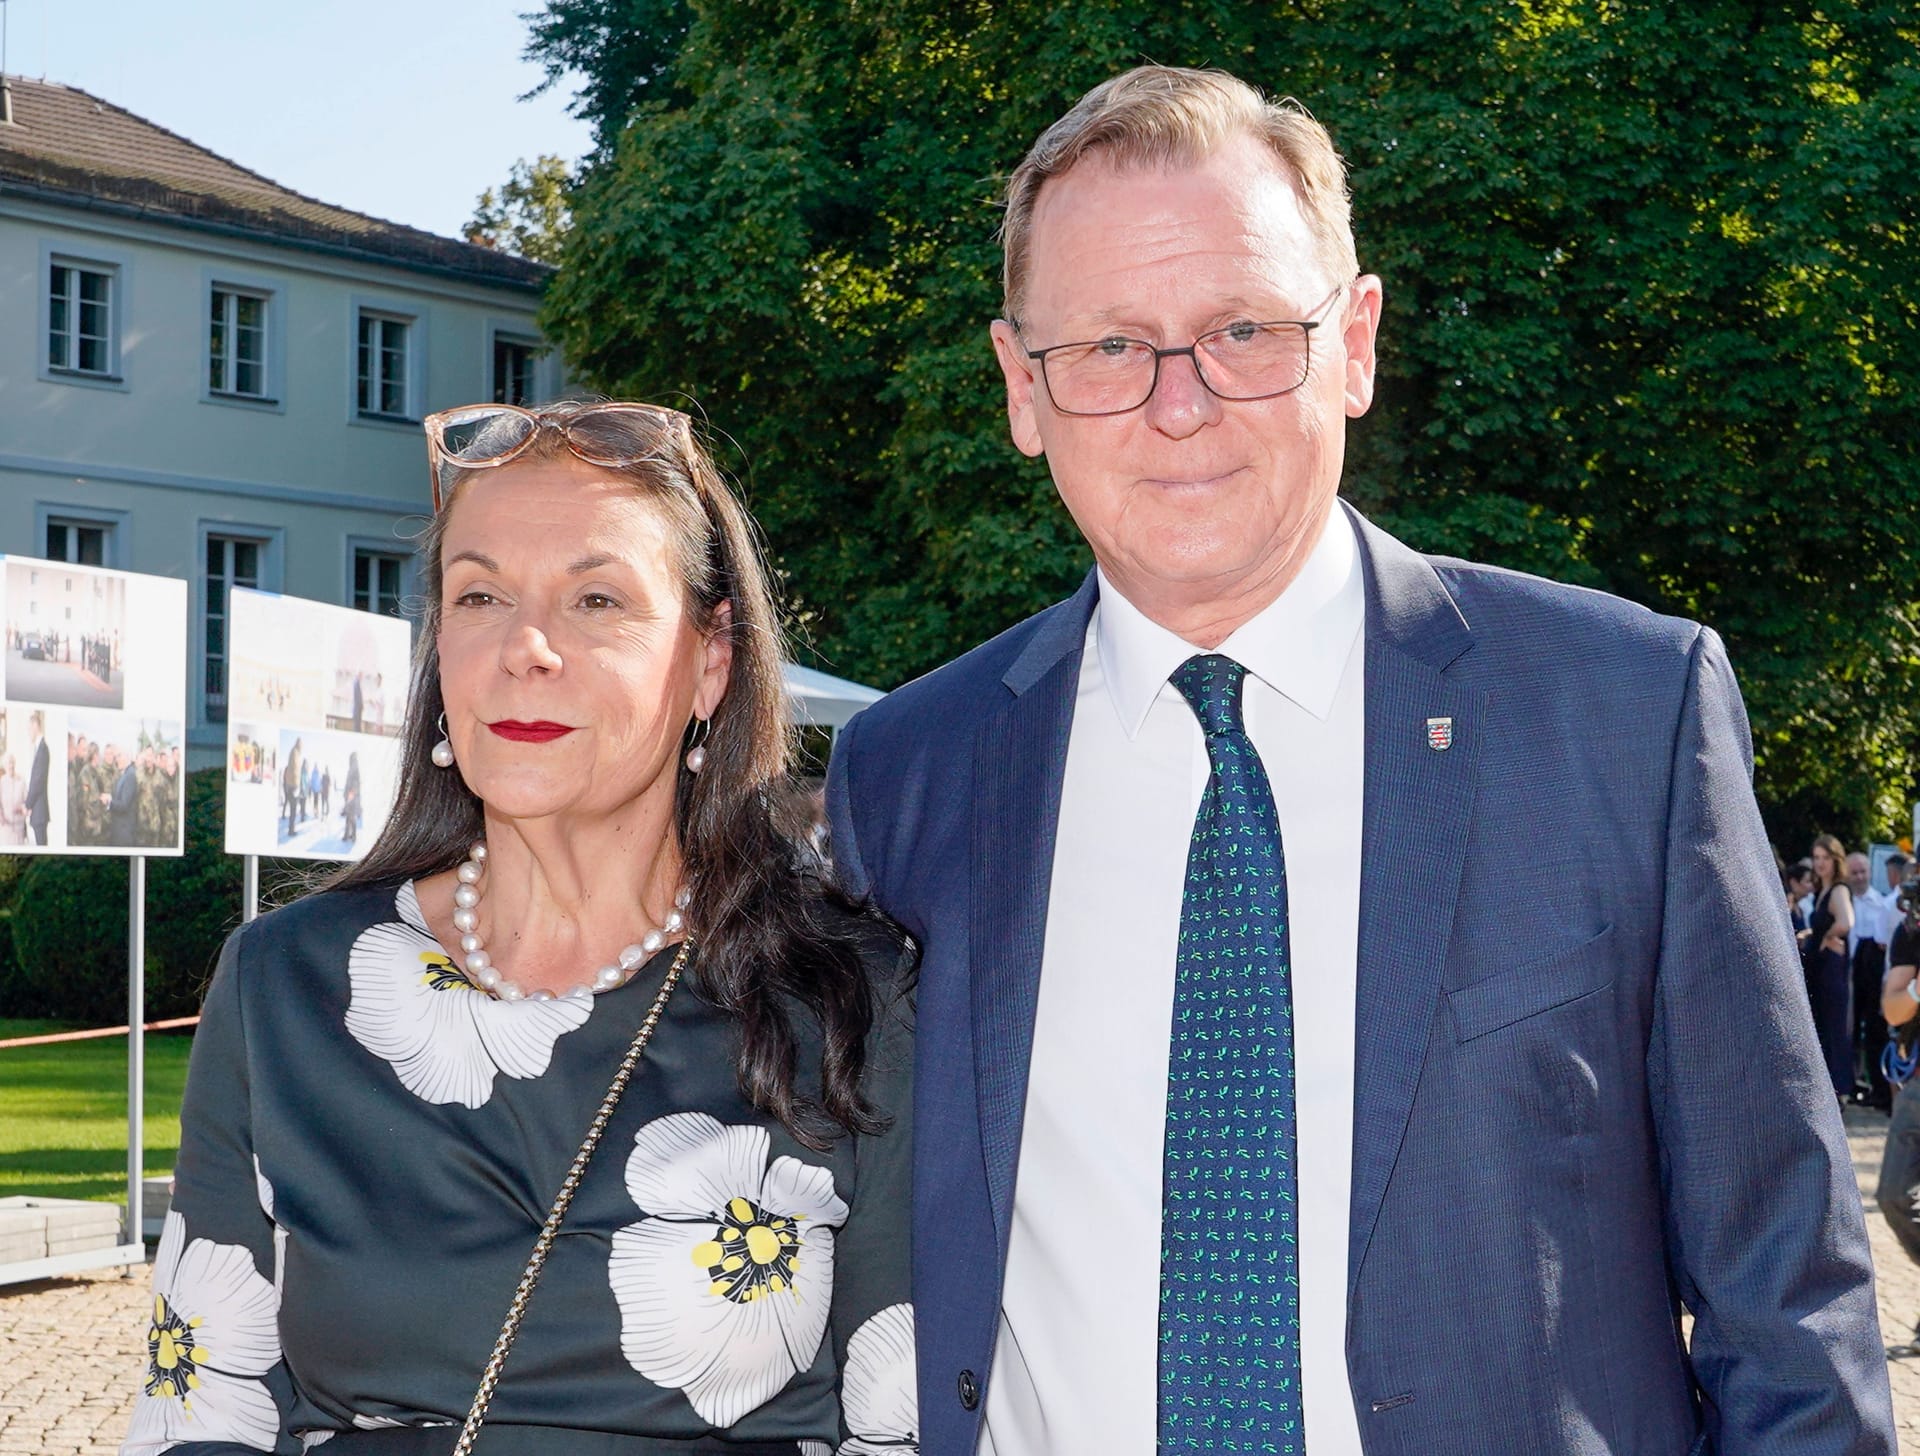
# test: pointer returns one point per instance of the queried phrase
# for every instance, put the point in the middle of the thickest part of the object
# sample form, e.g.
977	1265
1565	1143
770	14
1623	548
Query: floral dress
369	1145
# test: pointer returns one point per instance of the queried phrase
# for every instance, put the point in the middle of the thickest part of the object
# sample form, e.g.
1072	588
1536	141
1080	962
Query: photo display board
93	707
316	696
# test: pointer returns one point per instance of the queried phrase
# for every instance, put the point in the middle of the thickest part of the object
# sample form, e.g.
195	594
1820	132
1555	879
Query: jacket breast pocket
1530	990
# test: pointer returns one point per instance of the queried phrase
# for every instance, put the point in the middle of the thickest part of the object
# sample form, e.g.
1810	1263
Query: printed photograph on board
276	674
368	689
124	782
26	778
65	635
334	792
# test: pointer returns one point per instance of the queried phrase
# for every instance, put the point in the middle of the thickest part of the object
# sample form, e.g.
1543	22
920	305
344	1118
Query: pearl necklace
483	972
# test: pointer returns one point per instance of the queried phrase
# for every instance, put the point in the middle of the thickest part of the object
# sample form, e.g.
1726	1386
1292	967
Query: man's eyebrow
485	563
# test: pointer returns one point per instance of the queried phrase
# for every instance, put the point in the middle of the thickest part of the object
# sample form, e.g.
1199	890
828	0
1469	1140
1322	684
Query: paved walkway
71	1350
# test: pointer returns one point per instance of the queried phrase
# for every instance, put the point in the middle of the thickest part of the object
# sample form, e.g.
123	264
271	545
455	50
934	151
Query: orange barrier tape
57	1036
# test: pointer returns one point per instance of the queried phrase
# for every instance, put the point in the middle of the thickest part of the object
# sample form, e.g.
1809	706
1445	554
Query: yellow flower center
174	1354
752	1254
442	974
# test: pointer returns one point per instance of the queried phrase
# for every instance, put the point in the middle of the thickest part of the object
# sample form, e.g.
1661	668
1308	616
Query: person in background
1898	1190
39	762
13	804
1798	881
1829	980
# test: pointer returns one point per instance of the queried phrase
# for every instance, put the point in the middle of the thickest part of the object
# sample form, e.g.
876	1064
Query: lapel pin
1439	734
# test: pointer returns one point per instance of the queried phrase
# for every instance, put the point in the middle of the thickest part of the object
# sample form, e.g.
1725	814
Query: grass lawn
63	1112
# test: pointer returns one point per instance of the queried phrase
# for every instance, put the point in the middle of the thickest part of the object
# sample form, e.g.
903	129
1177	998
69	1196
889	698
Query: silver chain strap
490	1378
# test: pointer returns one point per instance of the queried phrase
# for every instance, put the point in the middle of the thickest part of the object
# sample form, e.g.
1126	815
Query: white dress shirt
1076	1366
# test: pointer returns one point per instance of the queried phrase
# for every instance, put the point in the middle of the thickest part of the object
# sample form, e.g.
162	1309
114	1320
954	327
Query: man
123	799
1873	918
37	806
1222	1145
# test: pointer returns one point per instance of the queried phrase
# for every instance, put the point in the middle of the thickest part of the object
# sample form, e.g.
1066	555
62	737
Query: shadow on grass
97	1174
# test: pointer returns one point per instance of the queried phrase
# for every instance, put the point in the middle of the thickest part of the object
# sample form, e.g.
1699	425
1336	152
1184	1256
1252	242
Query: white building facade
205	376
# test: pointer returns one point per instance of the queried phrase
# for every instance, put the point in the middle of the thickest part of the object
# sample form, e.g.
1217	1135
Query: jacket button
969	1390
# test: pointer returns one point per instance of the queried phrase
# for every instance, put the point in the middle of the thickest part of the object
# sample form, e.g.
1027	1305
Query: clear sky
404	109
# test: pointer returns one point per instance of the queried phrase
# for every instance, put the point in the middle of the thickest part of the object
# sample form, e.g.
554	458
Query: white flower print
214	1332
265	1190
878	1397
724	1286
445	1038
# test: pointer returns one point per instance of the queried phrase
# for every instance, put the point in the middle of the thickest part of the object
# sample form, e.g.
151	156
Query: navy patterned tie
1229	1249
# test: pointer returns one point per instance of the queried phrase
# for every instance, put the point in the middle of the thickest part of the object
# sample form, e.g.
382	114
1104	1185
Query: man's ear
1363	324
716	663
1019	371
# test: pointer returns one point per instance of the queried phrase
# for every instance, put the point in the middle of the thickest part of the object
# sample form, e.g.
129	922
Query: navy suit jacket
1586	1085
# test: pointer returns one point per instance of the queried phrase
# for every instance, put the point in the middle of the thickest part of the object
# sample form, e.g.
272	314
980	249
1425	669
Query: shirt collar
1297	645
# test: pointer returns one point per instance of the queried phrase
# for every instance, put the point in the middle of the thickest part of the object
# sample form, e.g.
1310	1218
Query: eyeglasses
1239	362
482	436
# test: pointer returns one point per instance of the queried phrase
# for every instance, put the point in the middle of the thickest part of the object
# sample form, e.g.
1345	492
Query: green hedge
66	958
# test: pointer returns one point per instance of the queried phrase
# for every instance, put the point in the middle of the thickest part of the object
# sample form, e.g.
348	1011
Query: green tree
1652	315
529	215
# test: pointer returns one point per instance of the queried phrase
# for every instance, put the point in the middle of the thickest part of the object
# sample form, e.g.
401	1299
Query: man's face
1858	872
1191	503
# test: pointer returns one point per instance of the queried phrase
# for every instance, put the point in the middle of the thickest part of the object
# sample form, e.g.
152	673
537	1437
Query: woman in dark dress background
1829	981
391	1077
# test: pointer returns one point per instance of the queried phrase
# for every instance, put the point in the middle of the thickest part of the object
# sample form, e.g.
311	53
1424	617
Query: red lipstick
529	732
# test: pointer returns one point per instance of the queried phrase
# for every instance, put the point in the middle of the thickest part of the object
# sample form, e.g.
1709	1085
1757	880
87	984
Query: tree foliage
528	216
1652	316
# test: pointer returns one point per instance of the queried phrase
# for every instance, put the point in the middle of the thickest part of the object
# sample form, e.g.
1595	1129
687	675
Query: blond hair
1170	115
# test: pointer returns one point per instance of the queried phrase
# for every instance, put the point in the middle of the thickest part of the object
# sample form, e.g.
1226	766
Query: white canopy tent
825	701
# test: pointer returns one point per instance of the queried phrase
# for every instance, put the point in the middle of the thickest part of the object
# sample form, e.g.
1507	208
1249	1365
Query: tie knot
1211	683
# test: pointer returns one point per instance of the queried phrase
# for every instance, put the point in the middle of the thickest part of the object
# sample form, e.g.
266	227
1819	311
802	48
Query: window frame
118	269
538	373
47	514
273	365
271	541
409	560
414	317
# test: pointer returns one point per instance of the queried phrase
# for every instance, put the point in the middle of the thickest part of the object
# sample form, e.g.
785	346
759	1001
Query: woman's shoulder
323	924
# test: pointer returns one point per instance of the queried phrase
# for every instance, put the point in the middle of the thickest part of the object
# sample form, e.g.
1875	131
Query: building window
237	346
512	371
231	561
84	543
385	342
377	578
80	318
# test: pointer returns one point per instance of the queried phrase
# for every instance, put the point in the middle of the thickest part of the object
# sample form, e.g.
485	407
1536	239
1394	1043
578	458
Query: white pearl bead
684	898
469	943
631	956
674	921
607	977
443	754
465	896
653	941
478	853
579	993
696	759
507	991
465	919
478	960
487	975
468	873
543	994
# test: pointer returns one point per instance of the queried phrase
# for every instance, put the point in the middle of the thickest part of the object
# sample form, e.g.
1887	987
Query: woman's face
568	664
1822	864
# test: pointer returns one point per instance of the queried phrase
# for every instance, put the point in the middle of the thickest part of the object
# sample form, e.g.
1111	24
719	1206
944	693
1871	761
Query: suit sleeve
214	1383
848	867
1765	1229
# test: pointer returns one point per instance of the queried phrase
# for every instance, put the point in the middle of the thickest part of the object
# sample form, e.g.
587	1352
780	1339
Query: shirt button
969	1390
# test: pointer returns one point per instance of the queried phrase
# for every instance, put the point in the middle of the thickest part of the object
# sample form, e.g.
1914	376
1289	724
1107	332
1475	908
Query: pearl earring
697	754
443	750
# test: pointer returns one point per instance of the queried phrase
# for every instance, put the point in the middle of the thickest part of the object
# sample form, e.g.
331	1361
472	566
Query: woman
392	1078
1829	982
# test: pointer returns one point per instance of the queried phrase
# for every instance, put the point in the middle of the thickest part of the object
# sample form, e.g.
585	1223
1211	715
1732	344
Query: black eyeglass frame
1308	324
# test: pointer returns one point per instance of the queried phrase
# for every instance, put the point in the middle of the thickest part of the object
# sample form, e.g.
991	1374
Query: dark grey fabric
400	1224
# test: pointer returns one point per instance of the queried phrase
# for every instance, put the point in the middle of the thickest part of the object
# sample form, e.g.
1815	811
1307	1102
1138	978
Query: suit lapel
1418	805
1019	764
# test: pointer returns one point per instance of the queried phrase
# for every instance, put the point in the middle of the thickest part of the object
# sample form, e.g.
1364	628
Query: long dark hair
770	935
